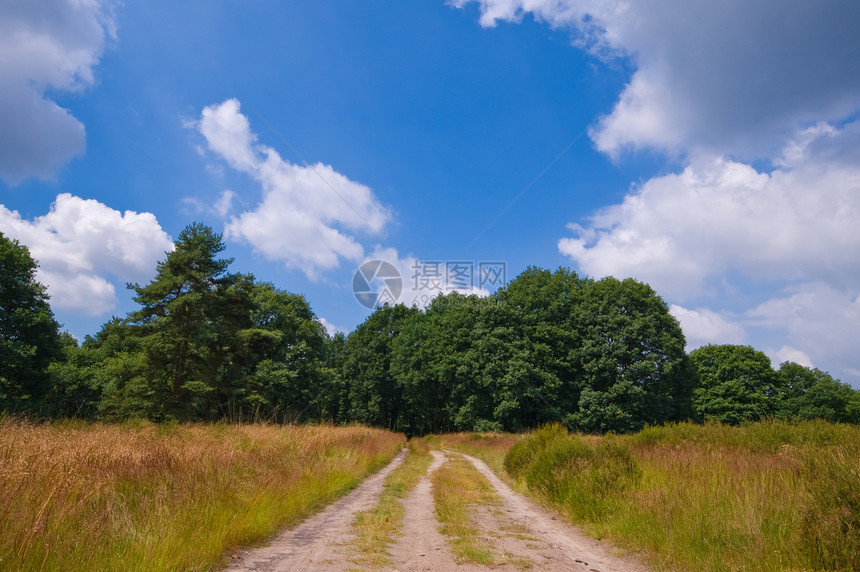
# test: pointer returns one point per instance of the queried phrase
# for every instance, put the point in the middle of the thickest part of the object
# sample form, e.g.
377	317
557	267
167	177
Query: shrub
583	475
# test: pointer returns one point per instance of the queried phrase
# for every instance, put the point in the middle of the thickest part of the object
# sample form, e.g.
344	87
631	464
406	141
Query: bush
583	475
522	453
772	495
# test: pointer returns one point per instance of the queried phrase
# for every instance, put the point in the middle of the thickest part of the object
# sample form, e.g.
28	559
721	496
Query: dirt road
524	535
320	542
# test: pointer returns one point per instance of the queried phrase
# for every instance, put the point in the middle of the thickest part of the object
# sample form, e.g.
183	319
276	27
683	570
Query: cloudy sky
709	149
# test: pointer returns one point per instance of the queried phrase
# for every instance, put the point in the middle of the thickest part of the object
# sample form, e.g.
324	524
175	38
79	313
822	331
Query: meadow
139	496
767	496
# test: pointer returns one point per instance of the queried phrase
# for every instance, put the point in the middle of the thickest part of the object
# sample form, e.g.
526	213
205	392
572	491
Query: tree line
209	344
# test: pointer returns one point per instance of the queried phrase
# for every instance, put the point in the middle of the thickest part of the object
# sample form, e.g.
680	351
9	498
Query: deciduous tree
29	334
737	383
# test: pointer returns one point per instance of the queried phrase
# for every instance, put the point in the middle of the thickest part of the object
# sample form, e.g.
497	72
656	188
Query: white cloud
788	353
722	84
80	242
703	326
308	215
45	46
732	76
823	322
224	204
418	278
228	134
686	233
329	327
681	231
80	293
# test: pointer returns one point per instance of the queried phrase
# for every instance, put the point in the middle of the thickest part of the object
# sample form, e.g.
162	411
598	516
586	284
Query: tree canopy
29	334
551	346
736	383
210	344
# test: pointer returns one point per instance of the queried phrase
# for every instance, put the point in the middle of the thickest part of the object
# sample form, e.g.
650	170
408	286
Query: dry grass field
81	496
768	496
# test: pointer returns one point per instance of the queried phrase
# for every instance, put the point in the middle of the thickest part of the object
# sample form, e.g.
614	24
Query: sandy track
318	543
422	546
521	534
556	545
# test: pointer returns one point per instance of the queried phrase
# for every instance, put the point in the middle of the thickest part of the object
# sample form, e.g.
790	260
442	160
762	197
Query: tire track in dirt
320	542
422	546
539	539
522	534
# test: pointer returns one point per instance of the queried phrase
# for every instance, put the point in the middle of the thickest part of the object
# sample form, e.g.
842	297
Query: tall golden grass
81	496
769	496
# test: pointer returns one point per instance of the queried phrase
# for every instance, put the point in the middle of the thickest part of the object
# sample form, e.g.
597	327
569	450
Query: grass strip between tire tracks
376	529
457	487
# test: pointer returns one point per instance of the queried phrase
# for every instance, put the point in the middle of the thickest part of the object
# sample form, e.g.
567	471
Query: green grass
769	496
376	529
457	488
78	496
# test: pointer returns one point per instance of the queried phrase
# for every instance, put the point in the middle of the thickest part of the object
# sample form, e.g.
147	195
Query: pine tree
189	322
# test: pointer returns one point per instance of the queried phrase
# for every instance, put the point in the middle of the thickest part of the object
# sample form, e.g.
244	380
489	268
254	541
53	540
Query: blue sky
709	150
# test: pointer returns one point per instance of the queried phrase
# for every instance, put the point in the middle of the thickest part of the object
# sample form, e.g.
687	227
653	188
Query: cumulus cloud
329	327
45	46
308	216
795	227
731	76
424	280
81	242
703	326
824	322
721	85
680	232
788	353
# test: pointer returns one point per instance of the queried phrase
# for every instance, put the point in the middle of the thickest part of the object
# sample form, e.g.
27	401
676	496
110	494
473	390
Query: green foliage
806	393
631	340
619	409
737	383
599	356
76	387
208	344
375	397
289	378
520	456
773	495
29	335
545	316
568	470
452	362
189	323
